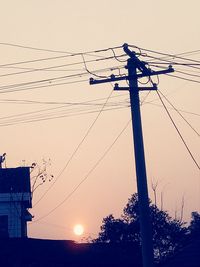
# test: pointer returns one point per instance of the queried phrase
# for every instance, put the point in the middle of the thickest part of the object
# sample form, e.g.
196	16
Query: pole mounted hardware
117	88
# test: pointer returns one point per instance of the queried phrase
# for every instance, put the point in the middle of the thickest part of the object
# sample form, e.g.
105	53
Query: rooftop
15	180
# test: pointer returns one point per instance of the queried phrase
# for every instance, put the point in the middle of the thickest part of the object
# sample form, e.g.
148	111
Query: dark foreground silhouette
58	253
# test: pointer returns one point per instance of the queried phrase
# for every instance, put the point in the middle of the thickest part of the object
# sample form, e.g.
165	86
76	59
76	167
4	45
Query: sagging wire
179	133
86	68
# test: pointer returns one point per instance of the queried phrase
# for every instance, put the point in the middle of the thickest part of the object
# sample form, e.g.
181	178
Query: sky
67	27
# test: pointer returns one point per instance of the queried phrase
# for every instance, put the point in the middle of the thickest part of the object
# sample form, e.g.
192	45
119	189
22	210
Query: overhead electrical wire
39	115
189	124
38	69
77	148
89	53
186	73
87	102
86	176
61	57
78	75
58	80
188	70
65	110
180	110
103	50
189	53
61	111
92	73
116	57
32	61
34	48
6	87
41	86
167	62
166	54
178	70
44	80
47	80
36	84
52	79
186	65
55	68
180	135
182	78
170	60
59	116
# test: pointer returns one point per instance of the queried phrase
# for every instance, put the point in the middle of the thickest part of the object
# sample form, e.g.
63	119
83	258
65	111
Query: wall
10	205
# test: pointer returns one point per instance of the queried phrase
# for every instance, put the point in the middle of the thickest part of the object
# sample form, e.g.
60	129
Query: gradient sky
79	26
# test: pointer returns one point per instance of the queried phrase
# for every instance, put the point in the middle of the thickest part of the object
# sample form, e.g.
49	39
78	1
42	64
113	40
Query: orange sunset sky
43	119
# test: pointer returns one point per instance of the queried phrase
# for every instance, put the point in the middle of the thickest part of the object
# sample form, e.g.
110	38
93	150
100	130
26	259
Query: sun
78	229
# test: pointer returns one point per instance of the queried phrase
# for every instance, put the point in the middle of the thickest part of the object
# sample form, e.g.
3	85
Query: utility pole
137	69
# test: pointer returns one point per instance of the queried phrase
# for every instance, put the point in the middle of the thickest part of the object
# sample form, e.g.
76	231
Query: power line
180	135
182	71
86	177
86	68
190	52
180	110
88	102
34	48
38	69
168	55
193	66
189	74
44	80
103	50
41	114
31	70
183	78
40	86
77	75
58	51
62	57
72	75
34	84
77	148
23	121
32	61
189	124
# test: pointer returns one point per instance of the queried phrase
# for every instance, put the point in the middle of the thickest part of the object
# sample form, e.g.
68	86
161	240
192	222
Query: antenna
2	159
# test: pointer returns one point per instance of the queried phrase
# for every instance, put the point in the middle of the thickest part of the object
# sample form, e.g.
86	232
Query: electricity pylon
137	69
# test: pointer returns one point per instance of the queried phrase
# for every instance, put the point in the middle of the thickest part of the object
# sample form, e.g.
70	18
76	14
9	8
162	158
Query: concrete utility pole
134	65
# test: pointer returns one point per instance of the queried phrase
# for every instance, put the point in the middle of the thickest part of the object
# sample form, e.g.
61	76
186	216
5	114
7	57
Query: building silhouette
15	200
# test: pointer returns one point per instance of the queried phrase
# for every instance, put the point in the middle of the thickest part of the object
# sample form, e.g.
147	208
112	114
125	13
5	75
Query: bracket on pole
117	88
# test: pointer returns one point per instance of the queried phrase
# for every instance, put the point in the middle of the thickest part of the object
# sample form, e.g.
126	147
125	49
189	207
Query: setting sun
78	229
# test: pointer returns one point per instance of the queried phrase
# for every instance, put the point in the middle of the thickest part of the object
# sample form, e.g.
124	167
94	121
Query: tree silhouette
112	230
39	175
168	233
194	227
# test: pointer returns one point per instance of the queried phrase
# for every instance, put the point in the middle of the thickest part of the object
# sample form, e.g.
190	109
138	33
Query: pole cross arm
120	88
113	78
